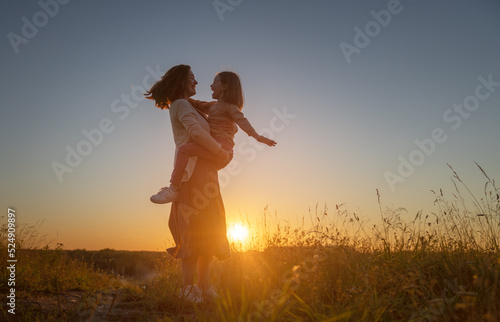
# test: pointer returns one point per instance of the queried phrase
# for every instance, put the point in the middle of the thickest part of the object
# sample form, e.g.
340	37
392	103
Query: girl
227	91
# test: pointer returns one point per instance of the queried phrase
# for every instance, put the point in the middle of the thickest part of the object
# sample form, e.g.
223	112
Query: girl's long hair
233	93
170	87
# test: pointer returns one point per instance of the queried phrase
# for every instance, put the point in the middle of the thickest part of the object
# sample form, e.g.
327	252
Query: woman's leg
204	264
188	269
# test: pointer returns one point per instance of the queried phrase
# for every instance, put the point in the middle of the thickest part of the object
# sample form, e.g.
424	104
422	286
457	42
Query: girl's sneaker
165	195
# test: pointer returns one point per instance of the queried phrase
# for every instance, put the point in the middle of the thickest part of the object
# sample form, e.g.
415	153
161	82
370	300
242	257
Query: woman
197	219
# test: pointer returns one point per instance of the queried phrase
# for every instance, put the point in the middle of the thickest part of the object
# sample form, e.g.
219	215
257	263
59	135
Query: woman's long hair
170	87
233	93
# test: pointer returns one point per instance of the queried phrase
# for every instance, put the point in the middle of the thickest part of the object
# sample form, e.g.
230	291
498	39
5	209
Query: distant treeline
118	262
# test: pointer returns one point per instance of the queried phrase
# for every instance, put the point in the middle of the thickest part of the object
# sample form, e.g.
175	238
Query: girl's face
218	88
190	88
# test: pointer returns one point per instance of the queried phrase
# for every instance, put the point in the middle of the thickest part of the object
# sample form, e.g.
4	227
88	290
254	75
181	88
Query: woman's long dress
197	219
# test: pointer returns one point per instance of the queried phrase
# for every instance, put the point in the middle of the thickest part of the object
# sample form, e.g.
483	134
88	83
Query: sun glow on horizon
237	233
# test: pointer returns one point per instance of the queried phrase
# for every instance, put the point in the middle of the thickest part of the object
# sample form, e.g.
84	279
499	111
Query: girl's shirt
220	114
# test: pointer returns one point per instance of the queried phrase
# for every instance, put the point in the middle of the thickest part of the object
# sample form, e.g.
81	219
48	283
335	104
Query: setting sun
237	233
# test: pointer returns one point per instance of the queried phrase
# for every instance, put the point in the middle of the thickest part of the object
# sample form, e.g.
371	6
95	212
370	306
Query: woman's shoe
192	293
209	294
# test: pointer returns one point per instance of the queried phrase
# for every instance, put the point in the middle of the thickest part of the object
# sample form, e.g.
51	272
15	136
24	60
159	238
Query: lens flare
237	233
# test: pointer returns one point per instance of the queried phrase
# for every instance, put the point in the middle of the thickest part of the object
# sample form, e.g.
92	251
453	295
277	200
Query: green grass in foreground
442	266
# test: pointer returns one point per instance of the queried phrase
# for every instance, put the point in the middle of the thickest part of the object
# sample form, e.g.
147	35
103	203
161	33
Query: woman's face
217	88
190	89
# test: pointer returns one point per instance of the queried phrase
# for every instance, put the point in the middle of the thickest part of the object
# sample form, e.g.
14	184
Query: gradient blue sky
352	123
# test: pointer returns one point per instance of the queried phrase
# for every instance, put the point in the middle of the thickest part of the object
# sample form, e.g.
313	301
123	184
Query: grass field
441	266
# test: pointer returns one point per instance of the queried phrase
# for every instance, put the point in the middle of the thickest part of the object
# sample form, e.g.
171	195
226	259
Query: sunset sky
359	95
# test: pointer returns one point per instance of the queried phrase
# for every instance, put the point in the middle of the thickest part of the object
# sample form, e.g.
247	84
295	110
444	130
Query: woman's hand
263	139
224	155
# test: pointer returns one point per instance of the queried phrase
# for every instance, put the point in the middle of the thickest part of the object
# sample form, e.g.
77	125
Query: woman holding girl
197	217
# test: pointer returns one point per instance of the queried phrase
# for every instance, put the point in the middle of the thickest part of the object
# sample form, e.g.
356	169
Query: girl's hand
263	139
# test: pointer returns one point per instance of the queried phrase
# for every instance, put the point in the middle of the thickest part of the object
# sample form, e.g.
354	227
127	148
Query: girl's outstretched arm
245	125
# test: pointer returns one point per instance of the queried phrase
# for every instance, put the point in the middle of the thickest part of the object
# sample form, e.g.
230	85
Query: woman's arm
187	116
